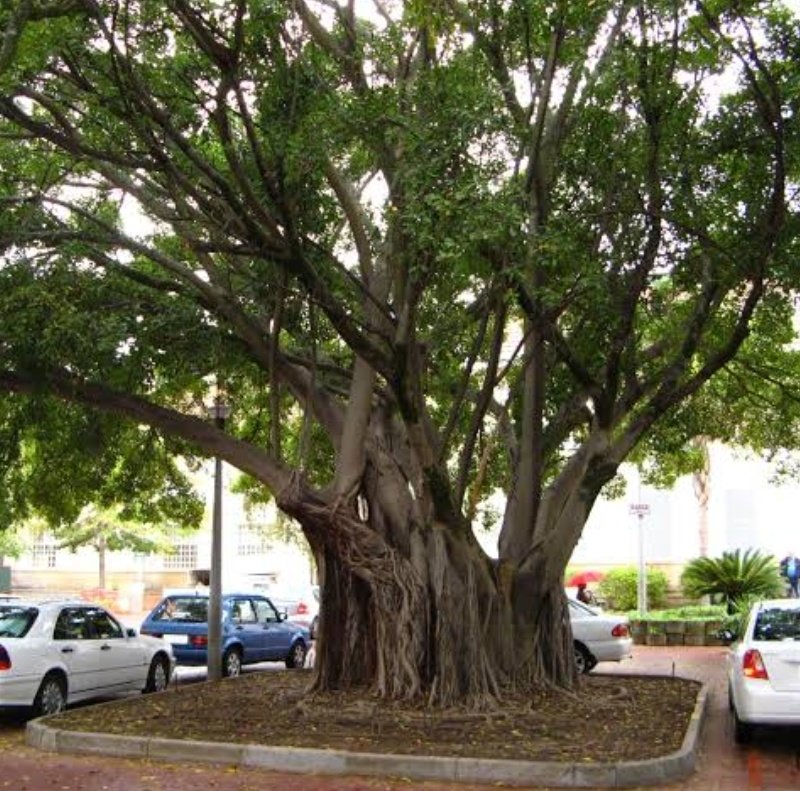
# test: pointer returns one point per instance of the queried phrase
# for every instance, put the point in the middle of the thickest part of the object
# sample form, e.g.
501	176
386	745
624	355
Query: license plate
176	639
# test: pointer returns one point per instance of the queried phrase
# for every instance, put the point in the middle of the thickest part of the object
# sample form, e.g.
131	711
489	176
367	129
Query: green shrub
619	588
714	612
733	577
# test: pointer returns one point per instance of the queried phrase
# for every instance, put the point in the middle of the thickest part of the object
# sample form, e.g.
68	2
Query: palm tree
702	489
733	576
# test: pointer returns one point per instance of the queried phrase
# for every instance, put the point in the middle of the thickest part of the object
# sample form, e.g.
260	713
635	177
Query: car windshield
777	624
187	609
16	621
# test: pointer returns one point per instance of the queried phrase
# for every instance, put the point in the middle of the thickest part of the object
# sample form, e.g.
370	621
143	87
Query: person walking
790	568
584	594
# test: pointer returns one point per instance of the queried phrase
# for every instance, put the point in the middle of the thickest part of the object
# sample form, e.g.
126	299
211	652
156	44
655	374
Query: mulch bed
609	719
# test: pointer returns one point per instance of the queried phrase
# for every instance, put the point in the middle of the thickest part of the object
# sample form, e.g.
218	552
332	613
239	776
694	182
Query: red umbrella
584	578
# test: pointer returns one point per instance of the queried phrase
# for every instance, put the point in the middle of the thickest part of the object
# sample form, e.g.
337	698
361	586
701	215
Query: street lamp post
219	411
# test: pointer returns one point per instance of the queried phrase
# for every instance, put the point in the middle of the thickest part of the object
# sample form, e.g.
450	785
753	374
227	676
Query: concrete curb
653	771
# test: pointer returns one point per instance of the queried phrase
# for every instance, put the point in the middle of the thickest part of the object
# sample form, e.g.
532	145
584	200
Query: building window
183	556
251	539
44	556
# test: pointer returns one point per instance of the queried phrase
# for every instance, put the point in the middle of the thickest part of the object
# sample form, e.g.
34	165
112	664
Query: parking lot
770	763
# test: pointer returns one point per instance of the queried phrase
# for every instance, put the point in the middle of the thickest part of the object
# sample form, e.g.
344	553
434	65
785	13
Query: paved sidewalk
771	764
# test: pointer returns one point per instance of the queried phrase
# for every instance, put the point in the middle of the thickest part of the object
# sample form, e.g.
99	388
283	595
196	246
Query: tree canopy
426	248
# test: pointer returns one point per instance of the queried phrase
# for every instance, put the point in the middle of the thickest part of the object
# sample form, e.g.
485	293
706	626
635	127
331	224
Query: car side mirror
283	615
130	632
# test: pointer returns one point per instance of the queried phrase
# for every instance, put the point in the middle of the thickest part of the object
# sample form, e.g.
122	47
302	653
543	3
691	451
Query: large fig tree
427	249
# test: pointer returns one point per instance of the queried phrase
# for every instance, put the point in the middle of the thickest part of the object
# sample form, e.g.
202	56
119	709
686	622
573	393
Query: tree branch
200	433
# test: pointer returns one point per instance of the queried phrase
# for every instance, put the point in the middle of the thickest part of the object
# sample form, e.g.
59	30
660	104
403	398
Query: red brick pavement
771	764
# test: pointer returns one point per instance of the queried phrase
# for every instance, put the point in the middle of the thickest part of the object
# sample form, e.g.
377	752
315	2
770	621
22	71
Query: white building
134	582
747	508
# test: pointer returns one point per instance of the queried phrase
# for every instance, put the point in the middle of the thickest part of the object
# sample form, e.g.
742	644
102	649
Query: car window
242	611
16	621
265	612
72	624
579	611
189	609
777	624
103	626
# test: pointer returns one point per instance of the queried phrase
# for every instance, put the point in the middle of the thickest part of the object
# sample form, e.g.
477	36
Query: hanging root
464	668
436	631
548	659
396	619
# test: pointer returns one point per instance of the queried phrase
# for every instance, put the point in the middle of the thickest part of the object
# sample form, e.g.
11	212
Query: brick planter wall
646	632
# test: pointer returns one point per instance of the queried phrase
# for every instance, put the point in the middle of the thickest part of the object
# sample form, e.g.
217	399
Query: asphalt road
771	763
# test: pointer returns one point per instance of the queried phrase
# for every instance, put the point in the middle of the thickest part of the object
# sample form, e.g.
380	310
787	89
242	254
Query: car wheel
742	731
51	697
232	663
584	661
158	676
297	655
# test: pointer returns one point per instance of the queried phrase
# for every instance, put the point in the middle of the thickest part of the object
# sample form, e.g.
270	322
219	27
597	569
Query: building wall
135	582
747	509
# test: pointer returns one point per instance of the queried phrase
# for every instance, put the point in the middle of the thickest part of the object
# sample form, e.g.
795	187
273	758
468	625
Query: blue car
252	631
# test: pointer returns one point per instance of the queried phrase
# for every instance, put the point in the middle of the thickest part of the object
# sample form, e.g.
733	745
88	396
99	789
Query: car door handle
105	647
67	650
240	628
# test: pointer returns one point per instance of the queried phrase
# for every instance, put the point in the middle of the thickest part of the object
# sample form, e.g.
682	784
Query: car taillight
753	665
302	608
198	640
620	630
5	659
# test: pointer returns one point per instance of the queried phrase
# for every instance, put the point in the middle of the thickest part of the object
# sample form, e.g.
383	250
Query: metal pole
215	581
219	412
642	586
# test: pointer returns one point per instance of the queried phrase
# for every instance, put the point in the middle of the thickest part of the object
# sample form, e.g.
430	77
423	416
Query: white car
299	601
301	605
764	668
57	652
598	636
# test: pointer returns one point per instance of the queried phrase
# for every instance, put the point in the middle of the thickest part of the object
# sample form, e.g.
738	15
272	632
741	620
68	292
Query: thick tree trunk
427	615
702	491
412	607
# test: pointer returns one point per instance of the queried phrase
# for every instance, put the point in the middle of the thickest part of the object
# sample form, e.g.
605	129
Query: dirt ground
610	718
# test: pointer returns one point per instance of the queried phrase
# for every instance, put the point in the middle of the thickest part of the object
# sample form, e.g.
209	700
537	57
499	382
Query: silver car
598	636
764	668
